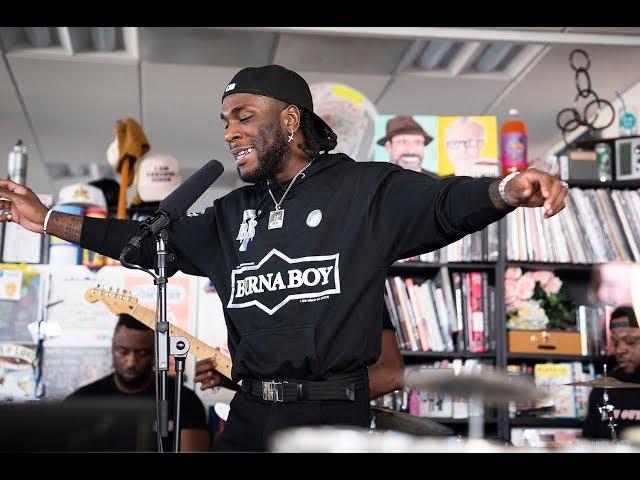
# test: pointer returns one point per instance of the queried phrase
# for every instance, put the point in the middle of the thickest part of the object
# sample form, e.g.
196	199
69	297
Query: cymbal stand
608	408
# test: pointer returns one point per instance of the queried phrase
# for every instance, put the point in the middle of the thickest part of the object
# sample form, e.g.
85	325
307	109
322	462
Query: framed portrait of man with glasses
468	146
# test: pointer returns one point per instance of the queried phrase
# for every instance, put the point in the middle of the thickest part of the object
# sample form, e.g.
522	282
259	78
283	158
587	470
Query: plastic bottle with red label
513	144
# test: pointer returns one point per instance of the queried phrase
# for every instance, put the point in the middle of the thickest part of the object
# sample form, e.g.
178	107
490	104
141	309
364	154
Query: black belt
342	387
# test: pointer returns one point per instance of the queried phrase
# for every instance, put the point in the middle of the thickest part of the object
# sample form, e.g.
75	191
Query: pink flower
510	290
543	276
553	286
513	273
525	287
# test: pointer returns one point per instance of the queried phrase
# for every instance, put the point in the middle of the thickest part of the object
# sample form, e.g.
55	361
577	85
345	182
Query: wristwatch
503	185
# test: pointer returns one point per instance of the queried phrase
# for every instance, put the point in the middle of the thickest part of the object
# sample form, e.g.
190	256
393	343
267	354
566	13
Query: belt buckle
273	391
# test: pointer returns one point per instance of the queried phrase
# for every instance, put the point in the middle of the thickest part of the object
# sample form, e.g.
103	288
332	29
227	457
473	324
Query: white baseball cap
82	194
157	175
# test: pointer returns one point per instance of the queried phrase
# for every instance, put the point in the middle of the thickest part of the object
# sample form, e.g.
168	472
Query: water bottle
17	167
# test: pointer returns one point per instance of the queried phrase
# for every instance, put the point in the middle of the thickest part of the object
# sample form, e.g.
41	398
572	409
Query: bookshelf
578	274
542	422
620	184
541	357
571	267
428	267
417	357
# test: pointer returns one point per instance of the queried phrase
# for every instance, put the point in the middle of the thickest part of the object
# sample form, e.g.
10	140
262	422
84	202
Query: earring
290	137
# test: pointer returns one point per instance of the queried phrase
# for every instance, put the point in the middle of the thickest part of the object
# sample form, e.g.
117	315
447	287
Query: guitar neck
200	349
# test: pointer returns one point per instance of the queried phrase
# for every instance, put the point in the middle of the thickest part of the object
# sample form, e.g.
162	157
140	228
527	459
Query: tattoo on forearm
494	195
65	226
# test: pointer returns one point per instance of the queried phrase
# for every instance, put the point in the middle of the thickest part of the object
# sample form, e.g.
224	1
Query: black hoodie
305	301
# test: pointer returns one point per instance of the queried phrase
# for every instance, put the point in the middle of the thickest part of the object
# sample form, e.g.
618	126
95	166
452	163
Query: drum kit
606	383
399	432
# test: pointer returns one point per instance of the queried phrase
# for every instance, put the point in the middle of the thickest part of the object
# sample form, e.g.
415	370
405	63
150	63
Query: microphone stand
165	345
162	329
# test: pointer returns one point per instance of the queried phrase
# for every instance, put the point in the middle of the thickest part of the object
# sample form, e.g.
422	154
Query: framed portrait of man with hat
407	140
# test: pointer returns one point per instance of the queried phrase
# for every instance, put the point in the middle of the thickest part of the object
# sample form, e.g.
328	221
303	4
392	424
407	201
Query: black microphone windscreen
178	202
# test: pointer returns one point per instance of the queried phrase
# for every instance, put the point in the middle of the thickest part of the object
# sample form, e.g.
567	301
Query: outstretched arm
532	188
411	213
108	236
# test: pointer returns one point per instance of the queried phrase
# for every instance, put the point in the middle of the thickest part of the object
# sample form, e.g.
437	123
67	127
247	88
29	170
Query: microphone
176	204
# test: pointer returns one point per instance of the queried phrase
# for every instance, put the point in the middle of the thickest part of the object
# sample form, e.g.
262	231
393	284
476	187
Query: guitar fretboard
200	349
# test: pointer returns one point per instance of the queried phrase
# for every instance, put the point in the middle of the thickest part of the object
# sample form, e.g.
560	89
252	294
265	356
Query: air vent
438	54
495	57
510	58
96	39
42	37
118	44
467	59
107	39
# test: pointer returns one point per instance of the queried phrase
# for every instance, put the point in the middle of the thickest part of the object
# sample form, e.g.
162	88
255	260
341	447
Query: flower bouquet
537	300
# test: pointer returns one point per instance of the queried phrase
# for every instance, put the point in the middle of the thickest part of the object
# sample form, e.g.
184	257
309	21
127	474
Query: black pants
252	420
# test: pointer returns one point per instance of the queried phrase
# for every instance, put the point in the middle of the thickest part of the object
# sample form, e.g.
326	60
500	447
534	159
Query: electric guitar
121	302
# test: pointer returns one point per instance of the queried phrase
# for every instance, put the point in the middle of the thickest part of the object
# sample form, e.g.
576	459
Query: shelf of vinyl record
444	408
598	225
479	247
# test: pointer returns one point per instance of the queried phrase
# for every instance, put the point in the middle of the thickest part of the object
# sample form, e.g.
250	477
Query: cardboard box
544	342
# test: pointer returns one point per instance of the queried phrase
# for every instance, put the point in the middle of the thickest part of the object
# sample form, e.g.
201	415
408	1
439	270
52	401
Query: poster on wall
441	145
17	380
66	369
18	310
80	323
350	114
23	246
468	146
211	327
181	296
408	141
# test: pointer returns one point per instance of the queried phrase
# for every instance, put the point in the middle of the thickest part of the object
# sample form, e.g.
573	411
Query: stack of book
595	334
562	401
444	314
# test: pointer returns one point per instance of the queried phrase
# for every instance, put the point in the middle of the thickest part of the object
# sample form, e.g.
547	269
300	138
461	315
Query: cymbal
604	382
489	385
388	419
336	439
